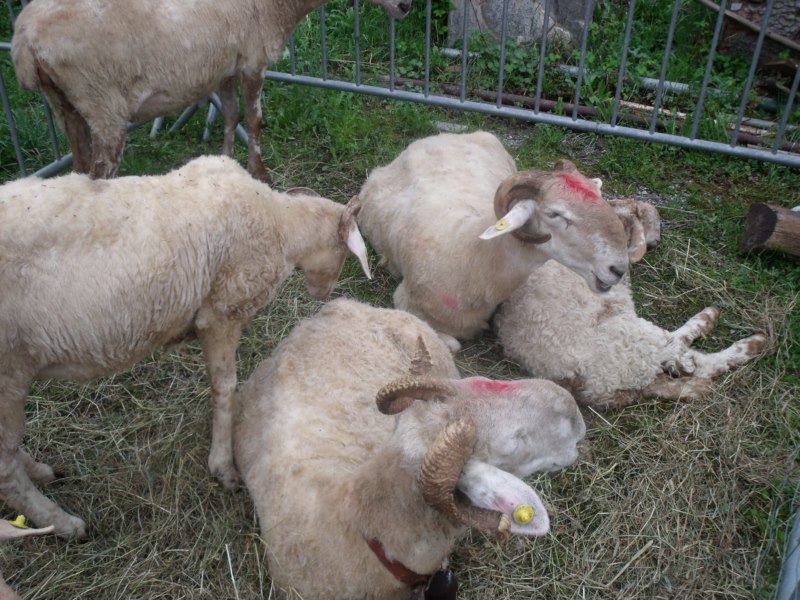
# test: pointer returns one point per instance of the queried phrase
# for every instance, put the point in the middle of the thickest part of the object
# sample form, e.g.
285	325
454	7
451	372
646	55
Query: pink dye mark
450	301
479	384
578	185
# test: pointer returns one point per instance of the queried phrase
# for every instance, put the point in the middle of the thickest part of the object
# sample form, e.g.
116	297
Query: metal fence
773	140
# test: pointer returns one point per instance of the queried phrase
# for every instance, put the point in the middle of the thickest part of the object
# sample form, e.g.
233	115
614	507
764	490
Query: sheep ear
10	532
637	243
357	246
493	489
515	218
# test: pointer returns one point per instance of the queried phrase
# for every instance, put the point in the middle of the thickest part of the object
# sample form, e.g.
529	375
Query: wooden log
772	228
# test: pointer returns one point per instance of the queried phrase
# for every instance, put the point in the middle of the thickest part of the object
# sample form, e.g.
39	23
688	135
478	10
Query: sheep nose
618	271
404	7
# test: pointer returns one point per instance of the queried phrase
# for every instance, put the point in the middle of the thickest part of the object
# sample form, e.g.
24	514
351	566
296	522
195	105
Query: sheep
598	348
425	211
103	63
97	274
355	504
11	530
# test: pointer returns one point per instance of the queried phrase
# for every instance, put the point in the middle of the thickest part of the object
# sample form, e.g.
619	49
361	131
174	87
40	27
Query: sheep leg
230	113
40	473
107	146
71	121
698	325
16	487
251	99
718	363
219	340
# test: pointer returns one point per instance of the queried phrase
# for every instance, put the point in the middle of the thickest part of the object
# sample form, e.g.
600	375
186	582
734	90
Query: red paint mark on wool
450	301
580	186
491	385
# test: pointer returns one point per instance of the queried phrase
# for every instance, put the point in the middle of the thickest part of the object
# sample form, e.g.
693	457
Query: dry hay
666	500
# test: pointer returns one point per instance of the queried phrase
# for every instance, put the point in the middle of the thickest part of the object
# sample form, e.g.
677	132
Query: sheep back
97	274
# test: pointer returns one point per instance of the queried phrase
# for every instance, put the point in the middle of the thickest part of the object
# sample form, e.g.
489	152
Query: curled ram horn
514	204
439	474
398	395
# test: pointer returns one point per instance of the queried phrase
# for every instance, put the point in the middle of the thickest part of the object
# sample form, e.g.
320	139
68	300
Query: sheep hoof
67	527
442	586
228	477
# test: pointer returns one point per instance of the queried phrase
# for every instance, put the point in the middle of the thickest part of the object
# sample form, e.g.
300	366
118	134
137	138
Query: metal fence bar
771	147
752	73
623	63
664	64
582	62
542	52
709	63
12	125
787	109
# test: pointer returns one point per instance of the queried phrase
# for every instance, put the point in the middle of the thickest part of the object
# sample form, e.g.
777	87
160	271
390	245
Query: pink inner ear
579	185
491	385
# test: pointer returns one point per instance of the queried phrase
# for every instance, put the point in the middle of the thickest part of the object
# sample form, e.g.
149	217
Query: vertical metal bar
698	110
586	25
10	11
427	86
464	29
391	53
787	109
542	52
323	42
503	36
292	61
664	64
357	41
751	74
12	126
623	63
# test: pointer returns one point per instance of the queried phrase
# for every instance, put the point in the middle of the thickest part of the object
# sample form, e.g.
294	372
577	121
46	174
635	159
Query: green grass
667	500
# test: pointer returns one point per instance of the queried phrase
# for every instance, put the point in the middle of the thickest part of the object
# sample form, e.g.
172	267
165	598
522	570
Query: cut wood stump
771	227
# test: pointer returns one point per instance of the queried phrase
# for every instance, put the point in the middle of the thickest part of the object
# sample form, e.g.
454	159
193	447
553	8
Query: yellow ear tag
523	514
20	522
501	224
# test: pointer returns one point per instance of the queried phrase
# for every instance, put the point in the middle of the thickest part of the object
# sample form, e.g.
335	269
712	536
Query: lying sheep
598	348
96	275
424	213
12	531
102	64
356	504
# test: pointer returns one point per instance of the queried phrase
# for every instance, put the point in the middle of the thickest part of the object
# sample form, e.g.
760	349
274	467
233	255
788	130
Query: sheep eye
556	215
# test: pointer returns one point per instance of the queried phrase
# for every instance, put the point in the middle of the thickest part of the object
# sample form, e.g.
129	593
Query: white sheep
598	348
12	530
97	274
425	211
102	63
356	504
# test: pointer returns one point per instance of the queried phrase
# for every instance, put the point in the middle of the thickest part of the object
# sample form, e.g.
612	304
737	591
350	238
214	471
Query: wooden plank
772	228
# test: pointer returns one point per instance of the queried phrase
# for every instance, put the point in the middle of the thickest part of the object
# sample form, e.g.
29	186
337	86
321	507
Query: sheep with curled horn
441	213
367	456
596	345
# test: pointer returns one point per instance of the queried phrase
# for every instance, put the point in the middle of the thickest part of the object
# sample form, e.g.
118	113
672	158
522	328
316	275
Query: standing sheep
102	63
425	212
356	504
598	348
96	275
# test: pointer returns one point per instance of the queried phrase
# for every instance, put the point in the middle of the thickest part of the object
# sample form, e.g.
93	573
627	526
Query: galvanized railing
771	144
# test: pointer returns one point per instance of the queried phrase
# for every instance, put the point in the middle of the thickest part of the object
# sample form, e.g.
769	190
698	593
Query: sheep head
472	471
322	268
565	216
